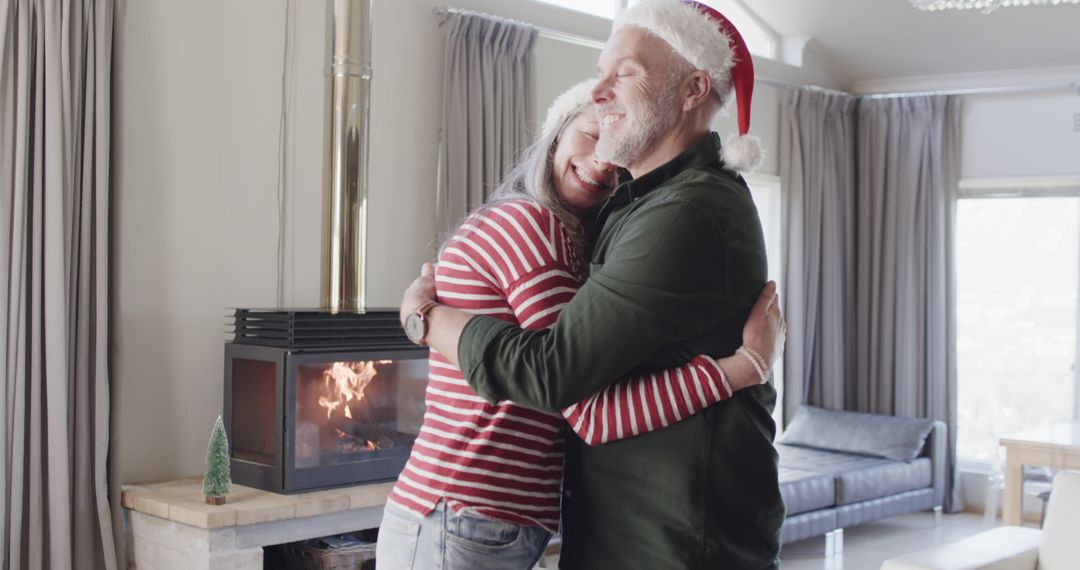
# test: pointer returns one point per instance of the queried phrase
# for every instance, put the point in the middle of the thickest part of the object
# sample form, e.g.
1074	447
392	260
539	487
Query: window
602	8
765	190
1017	281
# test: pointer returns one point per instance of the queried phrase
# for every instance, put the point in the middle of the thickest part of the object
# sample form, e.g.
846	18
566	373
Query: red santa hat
706	39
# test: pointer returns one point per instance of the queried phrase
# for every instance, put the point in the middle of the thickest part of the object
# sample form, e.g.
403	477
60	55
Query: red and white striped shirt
513	261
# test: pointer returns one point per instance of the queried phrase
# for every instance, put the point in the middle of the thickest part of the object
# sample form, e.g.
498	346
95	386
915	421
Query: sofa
839	469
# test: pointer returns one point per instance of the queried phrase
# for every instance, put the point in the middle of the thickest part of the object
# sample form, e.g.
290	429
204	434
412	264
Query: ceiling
886	39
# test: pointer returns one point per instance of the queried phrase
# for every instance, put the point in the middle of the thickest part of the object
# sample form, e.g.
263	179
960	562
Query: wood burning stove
334	396
316	399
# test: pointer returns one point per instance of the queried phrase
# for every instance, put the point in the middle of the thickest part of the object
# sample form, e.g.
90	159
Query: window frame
773	219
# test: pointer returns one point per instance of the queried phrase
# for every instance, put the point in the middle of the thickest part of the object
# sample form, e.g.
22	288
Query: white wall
197	114
194	216
1020	134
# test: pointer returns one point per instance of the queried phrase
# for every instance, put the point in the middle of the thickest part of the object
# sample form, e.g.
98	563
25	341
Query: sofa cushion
882	480
892	437
805	491
858	477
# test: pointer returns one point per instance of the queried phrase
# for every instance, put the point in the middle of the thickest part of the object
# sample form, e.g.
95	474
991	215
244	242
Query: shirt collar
705	152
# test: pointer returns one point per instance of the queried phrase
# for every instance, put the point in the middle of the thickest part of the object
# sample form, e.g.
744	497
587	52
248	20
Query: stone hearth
169	525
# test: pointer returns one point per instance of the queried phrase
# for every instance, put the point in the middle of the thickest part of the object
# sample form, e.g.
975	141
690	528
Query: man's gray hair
680	68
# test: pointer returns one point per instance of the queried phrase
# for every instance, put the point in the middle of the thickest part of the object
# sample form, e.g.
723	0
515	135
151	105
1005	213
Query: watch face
414	328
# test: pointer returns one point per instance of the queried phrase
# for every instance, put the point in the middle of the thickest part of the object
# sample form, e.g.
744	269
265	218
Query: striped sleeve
648	402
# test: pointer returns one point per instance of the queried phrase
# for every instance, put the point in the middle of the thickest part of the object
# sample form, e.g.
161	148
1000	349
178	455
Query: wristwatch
416	324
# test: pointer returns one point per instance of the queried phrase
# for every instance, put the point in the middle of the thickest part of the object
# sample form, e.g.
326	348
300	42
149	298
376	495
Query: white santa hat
706	39
567	104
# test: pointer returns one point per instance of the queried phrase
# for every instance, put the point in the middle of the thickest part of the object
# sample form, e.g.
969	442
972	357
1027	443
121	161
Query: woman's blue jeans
445	541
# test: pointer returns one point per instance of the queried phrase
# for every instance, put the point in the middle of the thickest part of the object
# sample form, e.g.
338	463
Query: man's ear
699	89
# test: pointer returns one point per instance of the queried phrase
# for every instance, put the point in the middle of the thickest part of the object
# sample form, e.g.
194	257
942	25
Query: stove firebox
315	399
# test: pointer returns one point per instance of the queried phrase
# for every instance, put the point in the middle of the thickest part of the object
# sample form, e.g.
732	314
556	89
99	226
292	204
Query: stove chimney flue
345	155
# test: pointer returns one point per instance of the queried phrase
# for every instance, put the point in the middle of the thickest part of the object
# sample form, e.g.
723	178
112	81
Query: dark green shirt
678	263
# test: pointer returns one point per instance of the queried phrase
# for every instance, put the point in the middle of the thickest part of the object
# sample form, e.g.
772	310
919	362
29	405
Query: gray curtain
869	206
908	172
488	100
818	181
55	74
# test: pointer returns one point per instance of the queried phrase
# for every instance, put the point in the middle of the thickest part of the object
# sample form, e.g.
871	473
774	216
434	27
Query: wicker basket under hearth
355	551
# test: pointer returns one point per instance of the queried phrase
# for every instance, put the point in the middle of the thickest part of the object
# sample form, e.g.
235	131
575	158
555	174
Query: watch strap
423	310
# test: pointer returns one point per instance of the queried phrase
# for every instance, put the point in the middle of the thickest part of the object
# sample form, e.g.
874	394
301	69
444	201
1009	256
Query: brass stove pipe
345	155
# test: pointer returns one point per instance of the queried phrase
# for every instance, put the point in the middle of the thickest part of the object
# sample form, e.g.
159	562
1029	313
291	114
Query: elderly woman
482	486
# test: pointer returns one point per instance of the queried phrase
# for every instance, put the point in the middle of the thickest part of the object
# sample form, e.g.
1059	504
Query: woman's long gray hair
533	179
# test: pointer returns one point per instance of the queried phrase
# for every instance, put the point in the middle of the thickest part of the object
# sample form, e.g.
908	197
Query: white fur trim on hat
693	35
567	103
742	153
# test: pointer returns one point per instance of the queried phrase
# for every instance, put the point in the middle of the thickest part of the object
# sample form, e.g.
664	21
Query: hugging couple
602	333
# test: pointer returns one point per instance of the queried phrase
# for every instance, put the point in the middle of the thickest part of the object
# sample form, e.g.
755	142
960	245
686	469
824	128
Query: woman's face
582	181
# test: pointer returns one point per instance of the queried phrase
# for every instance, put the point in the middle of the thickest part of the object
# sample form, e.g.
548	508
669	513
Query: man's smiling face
637	99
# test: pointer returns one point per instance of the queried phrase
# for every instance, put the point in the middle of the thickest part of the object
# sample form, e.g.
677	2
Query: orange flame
344	382
369	445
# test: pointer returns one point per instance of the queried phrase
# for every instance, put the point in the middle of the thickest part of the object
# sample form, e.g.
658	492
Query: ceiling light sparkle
986	6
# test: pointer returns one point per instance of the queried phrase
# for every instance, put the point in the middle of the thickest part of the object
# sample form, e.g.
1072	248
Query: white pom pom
742	153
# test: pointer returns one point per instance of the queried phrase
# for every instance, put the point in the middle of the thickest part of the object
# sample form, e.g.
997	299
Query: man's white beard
644	122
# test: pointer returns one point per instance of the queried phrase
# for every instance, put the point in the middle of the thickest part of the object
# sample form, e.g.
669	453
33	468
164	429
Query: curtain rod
782	83
1023	88
548	33
1074	85
585	41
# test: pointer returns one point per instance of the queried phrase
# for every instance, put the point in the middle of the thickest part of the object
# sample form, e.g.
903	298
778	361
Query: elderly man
678	262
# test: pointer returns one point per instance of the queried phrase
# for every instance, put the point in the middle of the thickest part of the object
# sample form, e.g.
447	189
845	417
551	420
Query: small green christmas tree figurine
217	482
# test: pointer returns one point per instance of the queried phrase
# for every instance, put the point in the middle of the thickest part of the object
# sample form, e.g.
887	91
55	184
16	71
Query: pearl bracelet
762	371
765	365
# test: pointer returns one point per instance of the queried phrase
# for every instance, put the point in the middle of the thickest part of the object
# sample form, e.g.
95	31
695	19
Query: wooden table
1056	447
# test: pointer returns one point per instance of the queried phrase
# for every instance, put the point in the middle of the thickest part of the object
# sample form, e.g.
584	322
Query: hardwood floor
868	545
